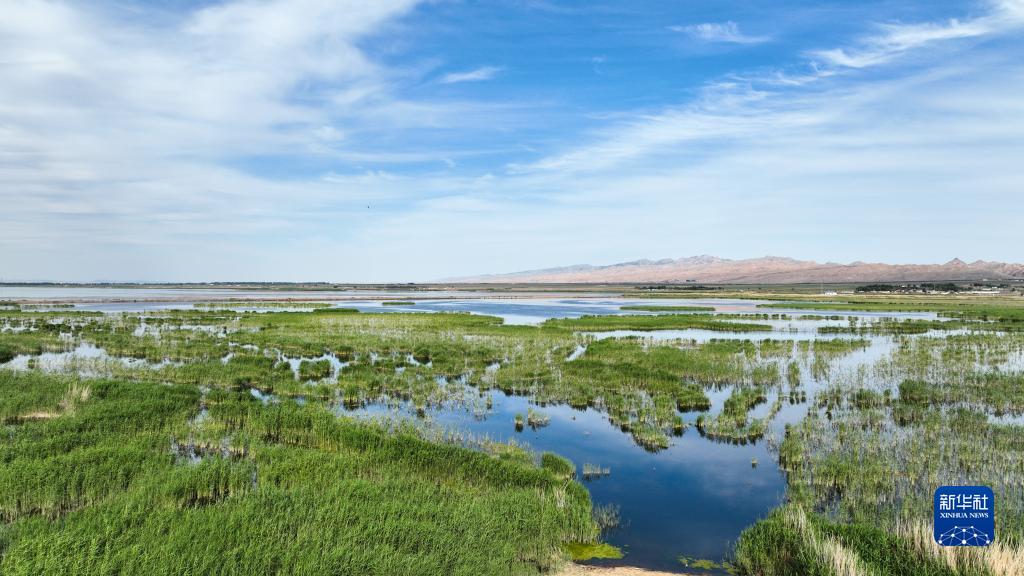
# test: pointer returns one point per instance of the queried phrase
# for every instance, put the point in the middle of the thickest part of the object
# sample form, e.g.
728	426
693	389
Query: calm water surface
692	499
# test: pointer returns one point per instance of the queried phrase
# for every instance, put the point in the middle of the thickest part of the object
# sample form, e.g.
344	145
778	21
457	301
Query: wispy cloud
728	32
892	40
739	108
895	39
752	153
475	75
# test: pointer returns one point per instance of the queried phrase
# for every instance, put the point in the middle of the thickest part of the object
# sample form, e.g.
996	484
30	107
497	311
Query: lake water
692	499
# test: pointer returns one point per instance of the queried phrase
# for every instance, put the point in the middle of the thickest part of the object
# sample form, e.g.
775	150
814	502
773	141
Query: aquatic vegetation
733	423
702	564
595	471
259	304
896	326
589	551
6	353
654	322
398	303
862	467
642	385
212	417
655	308
315	369
537	419
519	420
288	479
793	541
607	516
1007	311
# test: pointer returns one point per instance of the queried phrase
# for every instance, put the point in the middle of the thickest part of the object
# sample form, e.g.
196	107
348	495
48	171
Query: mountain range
767	270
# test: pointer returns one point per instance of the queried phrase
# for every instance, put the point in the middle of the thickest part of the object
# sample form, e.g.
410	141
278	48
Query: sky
406	140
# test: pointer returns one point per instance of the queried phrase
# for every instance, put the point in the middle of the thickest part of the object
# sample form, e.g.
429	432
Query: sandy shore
577	570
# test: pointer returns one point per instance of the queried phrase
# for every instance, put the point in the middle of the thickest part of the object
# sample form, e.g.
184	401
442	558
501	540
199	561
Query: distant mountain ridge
707	269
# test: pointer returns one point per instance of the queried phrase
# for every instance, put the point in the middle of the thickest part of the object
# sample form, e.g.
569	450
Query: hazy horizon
470	278
399	140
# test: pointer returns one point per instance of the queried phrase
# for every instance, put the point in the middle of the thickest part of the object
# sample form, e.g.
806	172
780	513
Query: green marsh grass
859	468
654	308
258	304
100	478
315	370
654	322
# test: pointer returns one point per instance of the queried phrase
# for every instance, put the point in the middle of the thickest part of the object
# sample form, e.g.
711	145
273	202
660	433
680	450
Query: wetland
460	433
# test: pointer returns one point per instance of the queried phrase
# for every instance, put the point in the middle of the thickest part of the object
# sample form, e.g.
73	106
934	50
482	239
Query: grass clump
558	465
537	419
793	541
315	370
7	353
733	423
595	471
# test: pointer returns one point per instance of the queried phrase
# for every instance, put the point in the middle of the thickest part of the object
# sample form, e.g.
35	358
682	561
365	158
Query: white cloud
795	161
728	32
117	142
475	75
892	40
116	134
836	174
754	108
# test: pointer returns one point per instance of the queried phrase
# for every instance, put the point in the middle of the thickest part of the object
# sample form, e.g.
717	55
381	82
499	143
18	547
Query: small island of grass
657	308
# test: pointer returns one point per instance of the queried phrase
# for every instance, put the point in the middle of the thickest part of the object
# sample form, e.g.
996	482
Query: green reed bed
285	476
864	463
733	423
653	322
37	342
84	489
891	326
258	304
1005	310
314	370
641	384
662	308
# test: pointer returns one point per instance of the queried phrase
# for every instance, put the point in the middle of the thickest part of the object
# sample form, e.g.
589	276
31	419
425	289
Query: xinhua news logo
964	516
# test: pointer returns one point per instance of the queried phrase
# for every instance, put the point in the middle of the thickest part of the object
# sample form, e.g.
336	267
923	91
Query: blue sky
400	140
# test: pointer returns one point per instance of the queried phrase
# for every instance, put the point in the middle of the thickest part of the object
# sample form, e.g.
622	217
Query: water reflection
691	499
